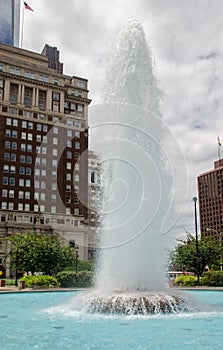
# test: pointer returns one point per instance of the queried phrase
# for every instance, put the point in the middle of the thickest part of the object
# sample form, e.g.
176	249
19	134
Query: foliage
35	252
9	282
184	257
69	279
82	266
183	281
40	281
213	279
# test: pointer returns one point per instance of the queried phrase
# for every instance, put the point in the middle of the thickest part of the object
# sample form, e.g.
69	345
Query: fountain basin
136	303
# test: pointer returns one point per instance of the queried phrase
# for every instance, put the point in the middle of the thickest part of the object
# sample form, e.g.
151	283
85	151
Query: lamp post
196	237
76	257
219	243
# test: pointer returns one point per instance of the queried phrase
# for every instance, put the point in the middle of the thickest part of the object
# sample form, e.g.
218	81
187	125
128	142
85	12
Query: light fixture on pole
196	238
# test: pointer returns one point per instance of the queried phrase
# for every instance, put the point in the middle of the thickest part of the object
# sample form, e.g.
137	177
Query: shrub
40	281
83	279
185	281
9	282
213	278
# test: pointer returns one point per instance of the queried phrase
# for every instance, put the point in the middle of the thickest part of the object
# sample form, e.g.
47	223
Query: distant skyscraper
54	58
10	22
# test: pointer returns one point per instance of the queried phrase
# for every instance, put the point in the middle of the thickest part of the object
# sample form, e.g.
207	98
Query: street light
196	237
219	242
76	257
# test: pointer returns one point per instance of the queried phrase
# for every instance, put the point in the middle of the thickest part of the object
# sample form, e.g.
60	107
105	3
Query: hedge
40	281
213	279
69	279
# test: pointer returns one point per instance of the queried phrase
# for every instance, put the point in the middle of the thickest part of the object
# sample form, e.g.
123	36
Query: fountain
128	132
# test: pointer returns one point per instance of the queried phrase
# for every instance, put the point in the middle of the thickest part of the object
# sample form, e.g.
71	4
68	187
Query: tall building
10	22
210	193
44	148
54	58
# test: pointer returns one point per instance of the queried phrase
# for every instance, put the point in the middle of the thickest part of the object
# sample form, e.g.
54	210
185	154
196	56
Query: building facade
10	22
44	148
210	193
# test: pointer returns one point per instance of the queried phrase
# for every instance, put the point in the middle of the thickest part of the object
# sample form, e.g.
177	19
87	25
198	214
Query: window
38	138
43	172
80	108
72	106
22	159
30	136
55	129
56	96
77	166
68	188
69	154
43	184
69	133
15	122
45	139
76	189
5	181
4	193
20	206
11	193
44	150
12	169
53	209
42	196
24	124
11	205
8	120
69	143
27	195
37	172
36	207
21	182
77	145
13	157
8	133
77	134
77	124
29	148
44	161
37	160
28	183
30	125
39	127
53	185
23	135
68	177
53	198
38	148
14	145
29	159
55	141
76	177
12	181
54	163
76	155
68	165
4	205
28	171
36	196
67	211
55	106
54	151
27	207
37	184
76	211
76	200
6	168
7	144
55	120
54	174
23	147
21	194
6	156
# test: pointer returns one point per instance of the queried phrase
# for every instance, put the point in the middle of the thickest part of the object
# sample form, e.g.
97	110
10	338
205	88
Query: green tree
184	256
34	252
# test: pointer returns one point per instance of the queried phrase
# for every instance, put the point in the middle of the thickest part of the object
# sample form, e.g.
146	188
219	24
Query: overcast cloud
186	38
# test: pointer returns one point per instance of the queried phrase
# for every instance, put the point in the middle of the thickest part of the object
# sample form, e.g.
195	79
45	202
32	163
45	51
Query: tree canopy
184	257
39	252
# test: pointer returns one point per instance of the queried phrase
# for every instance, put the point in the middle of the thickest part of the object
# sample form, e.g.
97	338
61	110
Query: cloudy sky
186	39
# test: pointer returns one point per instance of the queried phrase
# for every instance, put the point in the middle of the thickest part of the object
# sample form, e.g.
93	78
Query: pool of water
49	321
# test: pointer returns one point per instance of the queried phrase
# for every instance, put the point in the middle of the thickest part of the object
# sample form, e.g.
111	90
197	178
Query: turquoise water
49	321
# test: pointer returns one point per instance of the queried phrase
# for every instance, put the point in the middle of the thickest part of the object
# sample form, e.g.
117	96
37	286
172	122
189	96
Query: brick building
44	147
210	193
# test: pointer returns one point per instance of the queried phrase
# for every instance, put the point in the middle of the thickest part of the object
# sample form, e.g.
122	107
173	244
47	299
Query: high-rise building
10	22
54	58
44	148
210	193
